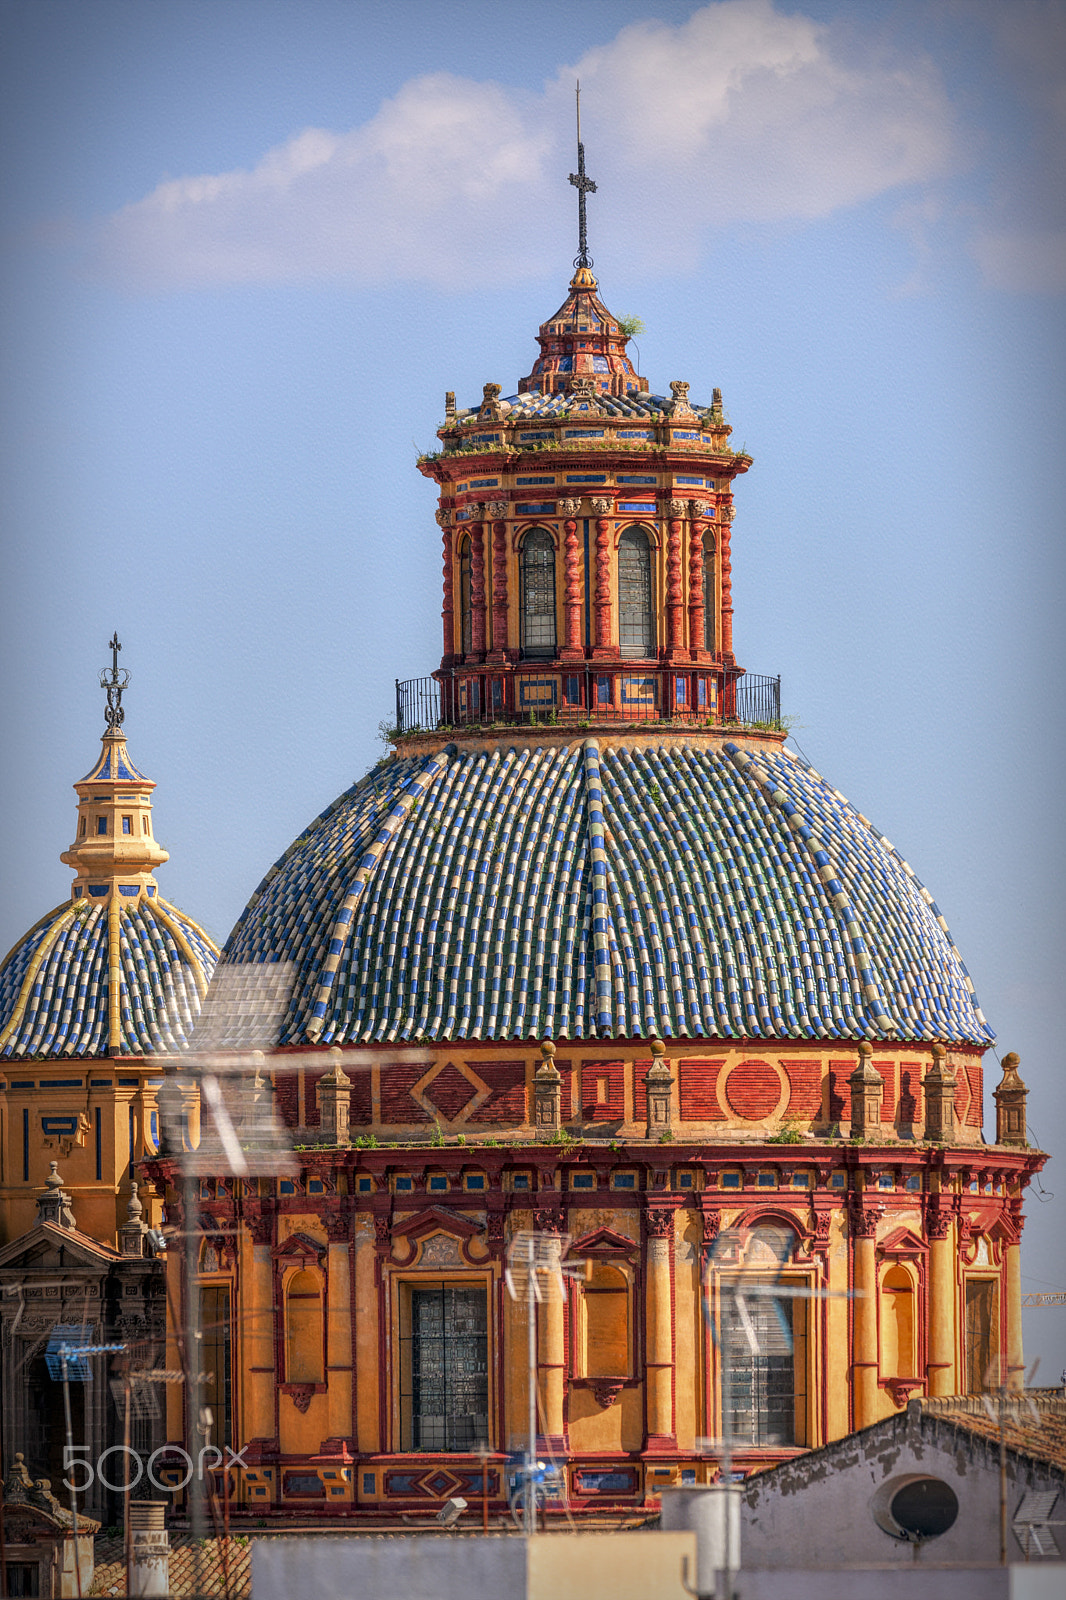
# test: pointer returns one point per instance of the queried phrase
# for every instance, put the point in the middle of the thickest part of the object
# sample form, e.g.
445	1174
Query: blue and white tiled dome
686	889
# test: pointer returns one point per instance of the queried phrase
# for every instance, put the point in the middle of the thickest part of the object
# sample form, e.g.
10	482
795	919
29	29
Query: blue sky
246	247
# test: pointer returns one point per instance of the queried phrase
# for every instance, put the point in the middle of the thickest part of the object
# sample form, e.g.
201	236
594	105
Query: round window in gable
915	1507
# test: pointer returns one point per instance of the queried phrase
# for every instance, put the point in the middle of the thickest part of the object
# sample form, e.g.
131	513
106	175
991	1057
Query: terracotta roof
1034	1422
194	1569
686	889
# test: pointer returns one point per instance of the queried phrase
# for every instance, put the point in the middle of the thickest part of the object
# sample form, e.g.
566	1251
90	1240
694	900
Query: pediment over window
299	1249
604	1242
903	1242
435	1219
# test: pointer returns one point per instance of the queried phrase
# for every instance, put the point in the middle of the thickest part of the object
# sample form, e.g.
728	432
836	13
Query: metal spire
114	683
583	186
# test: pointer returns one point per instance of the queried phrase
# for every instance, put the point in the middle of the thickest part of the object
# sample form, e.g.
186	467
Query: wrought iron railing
557	692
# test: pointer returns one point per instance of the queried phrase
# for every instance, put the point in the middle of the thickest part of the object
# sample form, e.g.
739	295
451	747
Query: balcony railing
555	692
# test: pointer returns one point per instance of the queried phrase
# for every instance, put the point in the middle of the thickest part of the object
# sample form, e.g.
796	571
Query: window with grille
636	632
216	1358
538	594
466	612
444	1402
708	591
759	1383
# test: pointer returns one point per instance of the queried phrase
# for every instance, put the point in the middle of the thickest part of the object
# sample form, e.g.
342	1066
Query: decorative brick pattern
839	1095
887	1069
449	1091
805	1088
910	1091
286	1098
697	1080
602	1091
507	1081
397	1102
753	1090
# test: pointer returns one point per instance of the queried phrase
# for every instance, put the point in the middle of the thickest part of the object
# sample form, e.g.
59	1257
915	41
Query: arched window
538	593
897	1324
303	1329
636	625
708	591
466	610
606	1323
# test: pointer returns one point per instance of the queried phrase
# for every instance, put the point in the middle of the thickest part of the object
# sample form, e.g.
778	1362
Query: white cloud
1026	260
739	113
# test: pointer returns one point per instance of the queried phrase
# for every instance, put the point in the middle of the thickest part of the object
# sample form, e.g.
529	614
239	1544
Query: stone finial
54	1205
334	1102
679	406
1010	1096
939	1086
133	1232
168	1100
867	1092
490	403
548	1091
449	402
657	1085
716	404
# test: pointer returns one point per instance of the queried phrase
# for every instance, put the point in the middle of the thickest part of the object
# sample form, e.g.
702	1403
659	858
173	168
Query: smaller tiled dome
116	970
93	978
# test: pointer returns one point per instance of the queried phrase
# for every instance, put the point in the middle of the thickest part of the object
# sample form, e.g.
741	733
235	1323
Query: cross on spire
113	685
583	185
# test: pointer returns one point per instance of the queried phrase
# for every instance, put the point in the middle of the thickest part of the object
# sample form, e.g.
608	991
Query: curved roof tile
55	985
689	889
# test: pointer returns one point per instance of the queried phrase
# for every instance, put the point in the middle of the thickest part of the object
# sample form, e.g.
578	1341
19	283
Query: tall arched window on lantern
466	610
636	623
538	593
708	591
304	1353
898	1356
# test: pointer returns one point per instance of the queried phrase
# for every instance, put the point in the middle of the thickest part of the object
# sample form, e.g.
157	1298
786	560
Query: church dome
116	969
630	885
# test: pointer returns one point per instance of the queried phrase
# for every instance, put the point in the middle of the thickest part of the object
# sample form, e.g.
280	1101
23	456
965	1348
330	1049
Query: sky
245	248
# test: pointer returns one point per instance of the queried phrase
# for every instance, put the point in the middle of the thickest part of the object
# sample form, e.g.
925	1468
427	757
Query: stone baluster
547	1091
657	1086
867	1092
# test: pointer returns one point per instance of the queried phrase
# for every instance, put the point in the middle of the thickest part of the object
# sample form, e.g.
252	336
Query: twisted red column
727	591
499	590
695	590
572	597
477	589
675	605
602	607
448	608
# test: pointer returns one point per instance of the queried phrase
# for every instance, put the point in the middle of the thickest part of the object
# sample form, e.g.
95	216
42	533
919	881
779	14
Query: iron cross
114	647
584	186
